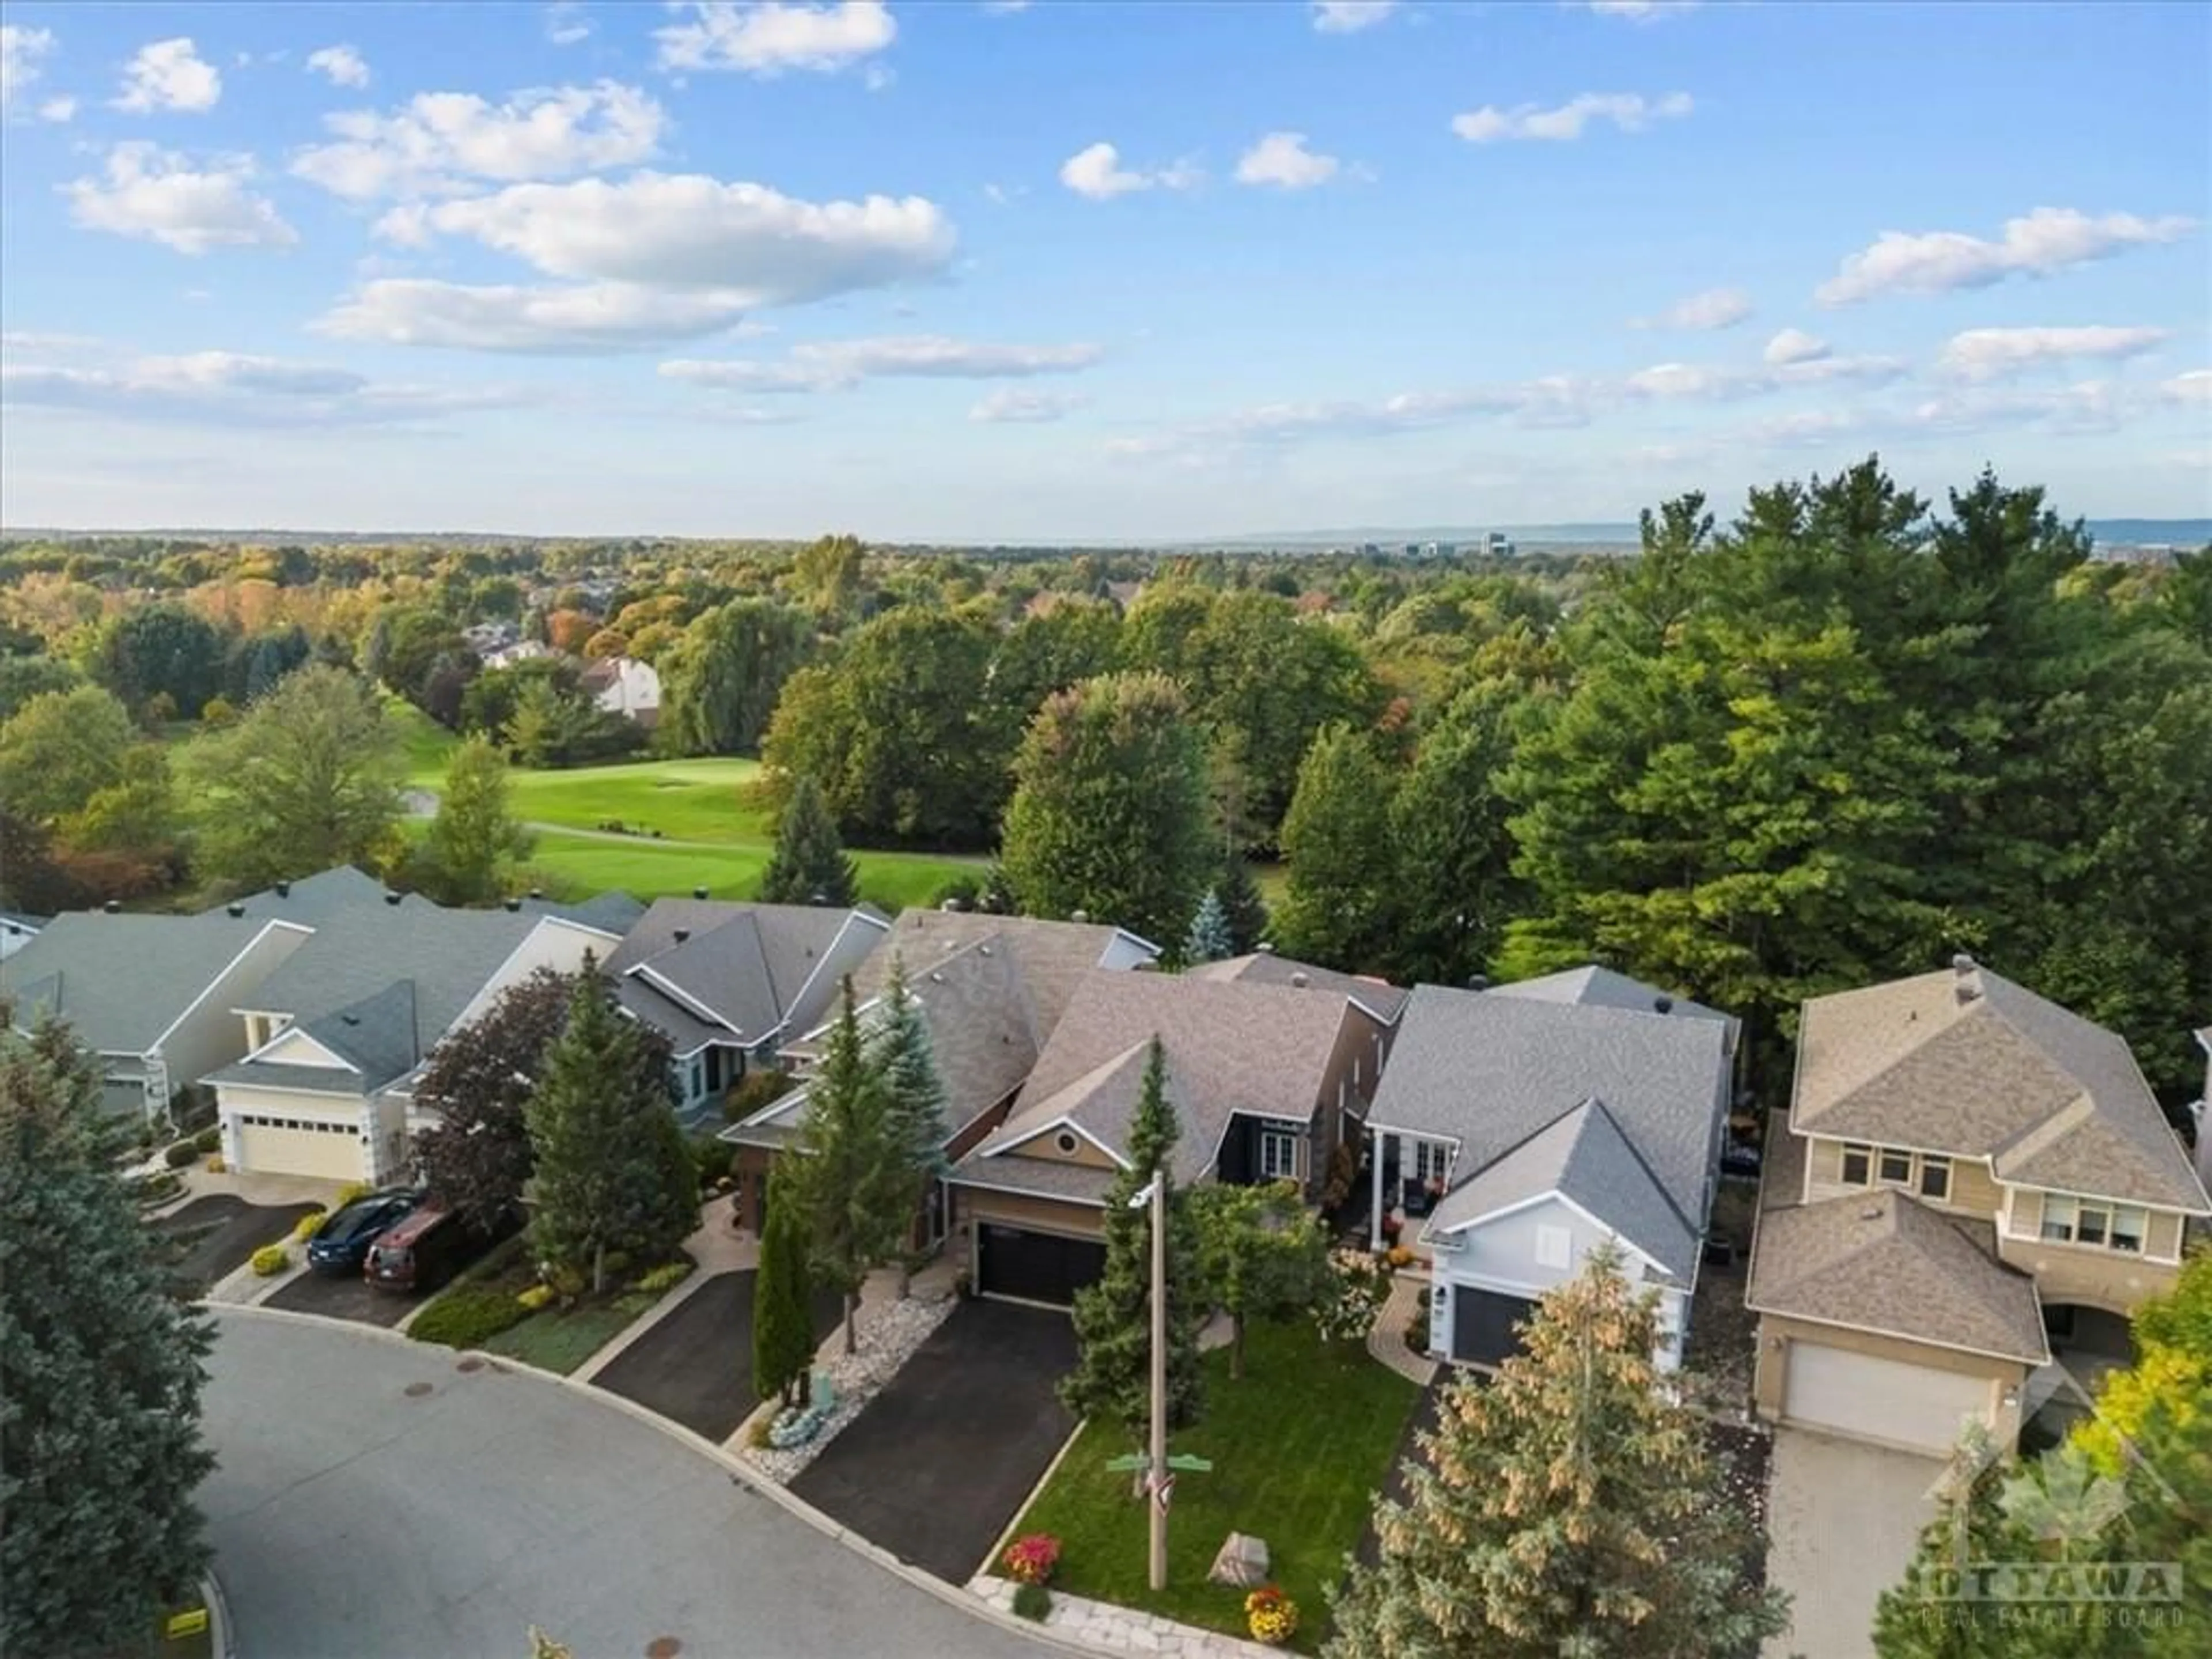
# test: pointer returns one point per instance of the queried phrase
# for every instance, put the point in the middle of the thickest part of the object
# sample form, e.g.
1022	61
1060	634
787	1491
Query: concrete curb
741	1476
673	1298
991	1561
218	1616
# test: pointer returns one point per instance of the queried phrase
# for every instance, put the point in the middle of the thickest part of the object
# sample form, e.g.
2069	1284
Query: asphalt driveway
1844	1520
344	1297
936	1465
213	1237
375	1500
695	1367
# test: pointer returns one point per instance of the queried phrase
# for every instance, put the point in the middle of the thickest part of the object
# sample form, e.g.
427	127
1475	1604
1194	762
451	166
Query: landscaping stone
1109	1629
1240	1562
889	1332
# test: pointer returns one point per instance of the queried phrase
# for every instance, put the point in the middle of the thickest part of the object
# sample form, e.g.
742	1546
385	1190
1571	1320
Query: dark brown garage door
1037	1266
1483	1324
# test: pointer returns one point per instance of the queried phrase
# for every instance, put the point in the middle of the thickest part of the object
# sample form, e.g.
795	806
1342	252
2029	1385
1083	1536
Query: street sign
1191	1465
187	1623
1131	1463
1164	1492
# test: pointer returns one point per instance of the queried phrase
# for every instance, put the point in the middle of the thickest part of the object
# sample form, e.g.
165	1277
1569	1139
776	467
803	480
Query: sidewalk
1386	1338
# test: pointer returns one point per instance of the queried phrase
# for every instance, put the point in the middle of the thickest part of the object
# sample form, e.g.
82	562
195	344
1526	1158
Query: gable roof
1380	1000
312	900
741	973
1964	1061
1054	956
1884	1262
377	1037
611	912
1593	986
1490	1071
1584	1156
448	956
123	981
1260	1049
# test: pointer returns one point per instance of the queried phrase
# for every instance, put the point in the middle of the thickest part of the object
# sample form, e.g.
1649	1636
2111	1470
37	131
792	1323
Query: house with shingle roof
1974	1183
1264	1078
1518	1130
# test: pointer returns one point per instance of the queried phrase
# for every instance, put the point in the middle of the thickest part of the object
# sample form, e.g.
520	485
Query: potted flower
1271	1616
1030	1559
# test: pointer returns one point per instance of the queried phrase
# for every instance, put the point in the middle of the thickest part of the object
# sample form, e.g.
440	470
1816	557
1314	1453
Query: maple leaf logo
2062	1500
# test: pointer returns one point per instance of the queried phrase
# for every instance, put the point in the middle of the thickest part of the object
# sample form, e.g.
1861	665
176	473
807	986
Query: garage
297	1146
1485	1325
1028	1265
1886	1400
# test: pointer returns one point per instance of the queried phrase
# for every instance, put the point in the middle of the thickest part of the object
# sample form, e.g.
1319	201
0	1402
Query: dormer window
1896	1167
1935	1178
1858	1164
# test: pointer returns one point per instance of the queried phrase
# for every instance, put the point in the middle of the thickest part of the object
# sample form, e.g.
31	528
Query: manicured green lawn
1299	1447
557	1341
578	866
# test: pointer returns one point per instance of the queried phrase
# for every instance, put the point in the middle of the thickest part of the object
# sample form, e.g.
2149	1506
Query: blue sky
1090	271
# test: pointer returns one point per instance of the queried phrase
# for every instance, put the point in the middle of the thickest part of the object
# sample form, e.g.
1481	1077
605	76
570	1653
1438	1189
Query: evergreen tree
914	1097
853	1179
810	865
1209	938
1567	1508
1246	912
1452	852
1112	1376
474	842
613	1172
100	1374
783	1311
1341	907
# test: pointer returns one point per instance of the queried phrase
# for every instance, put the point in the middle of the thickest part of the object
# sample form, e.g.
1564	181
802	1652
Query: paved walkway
1105	1628
1386	1338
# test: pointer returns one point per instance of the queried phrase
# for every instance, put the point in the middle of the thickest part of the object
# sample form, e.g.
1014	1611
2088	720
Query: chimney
391	897
283	889
682	933
1299	982
113	907
514	904
698	892
1664	1003
234	908
1967	979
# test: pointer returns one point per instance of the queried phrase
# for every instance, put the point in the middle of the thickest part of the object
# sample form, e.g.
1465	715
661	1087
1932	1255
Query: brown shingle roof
1054	956
1384	1001
1913	1063
1882	1262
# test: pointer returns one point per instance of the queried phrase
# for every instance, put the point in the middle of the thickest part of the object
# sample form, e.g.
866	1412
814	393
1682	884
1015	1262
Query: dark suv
430	1247
341	1243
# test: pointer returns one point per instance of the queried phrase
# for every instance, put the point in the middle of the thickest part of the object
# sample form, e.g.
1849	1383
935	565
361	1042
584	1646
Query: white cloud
1690	380
1018	404
1554	401
1640	11
770	37
2035	244
1097	172
1630	112
1989	354
1005	6
1349	17
1715	308
2090	406
223	388
162	197
1810	427
2192	388
1282	160
565	23
575	320
841	365
1794	345
58	109
169	74
343	64
437	141
23	54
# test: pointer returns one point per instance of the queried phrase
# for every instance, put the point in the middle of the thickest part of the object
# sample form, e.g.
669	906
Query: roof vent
1872	1212
283	889
682	933
1264	948
113	907
538	892
1664	1003
936	978
391	897
698	892
1966	978
983	950
514	904
1079	916
951	907
1299	982
1478	982
234	908
349	1019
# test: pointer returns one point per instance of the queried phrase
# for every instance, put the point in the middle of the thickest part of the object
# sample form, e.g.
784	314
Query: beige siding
2092	1277
2162	1241
1016	1210
1777	1333
1045	1147
1974	1191
210	1036
2027	1212
1824	1168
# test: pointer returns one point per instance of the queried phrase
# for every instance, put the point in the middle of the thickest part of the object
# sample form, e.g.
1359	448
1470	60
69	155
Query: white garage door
301	1147
1881	1398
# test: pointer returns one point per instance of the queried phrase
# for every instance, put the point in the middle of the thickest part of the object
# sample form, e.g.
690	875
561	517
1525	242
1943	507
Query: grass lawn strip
554	1339
1299	1446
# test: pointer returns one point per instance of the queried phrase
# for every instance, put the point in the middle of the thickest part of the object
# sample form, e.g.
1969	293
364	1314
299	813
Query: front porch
1406	1176
2086	1345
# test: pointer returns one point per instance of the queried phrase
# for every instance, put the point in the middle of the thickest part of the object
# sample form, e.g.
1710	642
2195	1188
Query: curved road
354	1520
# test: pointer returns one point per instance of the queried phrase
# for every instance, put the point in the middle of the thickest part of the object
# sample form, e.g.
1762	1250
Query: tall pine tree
1112	1376
915	1098
810	865
1241	902
783	1311
1567	1508
1209	938
613	1171
100	1369
853	1178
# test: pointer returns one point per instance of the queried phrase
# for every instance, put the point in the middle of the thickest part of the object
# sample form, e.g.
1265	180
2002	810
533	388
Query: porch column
1375	1208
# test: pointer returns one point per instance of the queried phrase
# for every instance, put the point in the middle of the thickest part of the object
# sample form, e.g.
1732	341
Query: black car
341	1243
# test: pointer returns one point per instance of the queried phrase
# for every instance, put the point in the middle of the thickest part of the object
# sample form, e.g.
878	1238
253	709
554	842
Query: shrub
149	1190
1343	1169
209	1140
180	1155
754	1090
1357	1289
1271	1616
666	1277
215	1164
1031	1558
758	1435
350	1191
309	1226
1032	1602
467	1316
1417	1327
714	1160
271	1260
536	1296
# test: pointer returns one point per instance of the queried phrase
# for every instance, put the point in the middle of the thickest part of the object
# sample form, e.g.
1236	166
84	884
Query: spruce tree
1112	1376
100	1371
914	1097
1209	938
849	1169
1240	902
810	865
783	1311
612	1171
1567	1508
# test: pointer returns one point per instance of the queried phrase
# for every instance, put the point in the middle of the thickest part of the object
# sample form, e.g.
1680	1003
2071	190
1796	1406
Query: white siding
554	944
210	1036
1125	952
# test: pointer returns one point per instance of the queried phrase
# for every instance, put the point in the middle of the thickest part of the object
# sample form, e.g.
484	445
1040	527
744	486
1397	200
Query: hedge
467	1316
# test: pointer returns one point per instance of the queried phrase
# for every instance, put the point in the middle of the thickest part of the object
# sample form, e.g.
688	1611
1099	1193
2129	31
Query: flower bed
889	1332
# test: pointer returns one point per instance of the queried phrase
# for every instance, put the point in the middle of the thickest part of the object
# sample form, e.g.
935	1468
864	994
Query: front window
1278	1155
1935	1178
2095	1221
2058	1220
1430	1157
1896	1167
1858	1165
2128	1227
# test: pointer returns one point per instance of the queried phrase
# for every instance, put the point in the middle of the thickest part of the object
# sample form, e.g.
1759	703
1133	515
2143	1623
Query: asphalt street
372	1501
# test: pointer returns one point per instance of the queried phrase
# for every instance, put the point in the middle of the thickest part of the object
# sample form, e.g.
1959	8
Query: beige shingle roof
1964	1061
1380	999
1883	1262
1054	956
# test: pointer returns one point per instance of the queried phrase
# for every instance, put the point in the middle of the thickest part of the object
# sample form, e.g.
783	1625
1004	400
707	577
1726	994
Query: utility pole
1162	1481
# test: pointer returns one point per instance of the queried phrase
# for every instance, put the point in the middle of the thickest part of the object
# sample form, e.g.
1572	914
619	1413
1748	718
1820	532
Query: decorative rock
1240	1562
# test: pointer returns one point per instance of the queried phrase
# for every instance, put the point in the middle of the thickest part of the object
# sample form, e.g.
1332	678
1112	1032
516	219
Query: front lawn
481	1310
560	1340
1300	1446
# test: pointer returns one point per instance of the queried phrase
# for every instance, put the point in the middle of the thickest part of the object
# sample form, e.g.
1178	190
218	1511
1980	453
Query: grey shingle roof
122	981
753	966
2051	1098
1584	1156
1881	1261
314	899
1490	1071
1593	986
1079	1183
305	1080
1380	999
611	912
450	955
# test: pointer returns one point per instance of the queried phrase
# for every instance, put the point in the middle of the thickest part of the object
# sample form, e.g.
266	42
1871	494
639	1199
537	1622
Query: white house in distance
625	686
1519	1130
